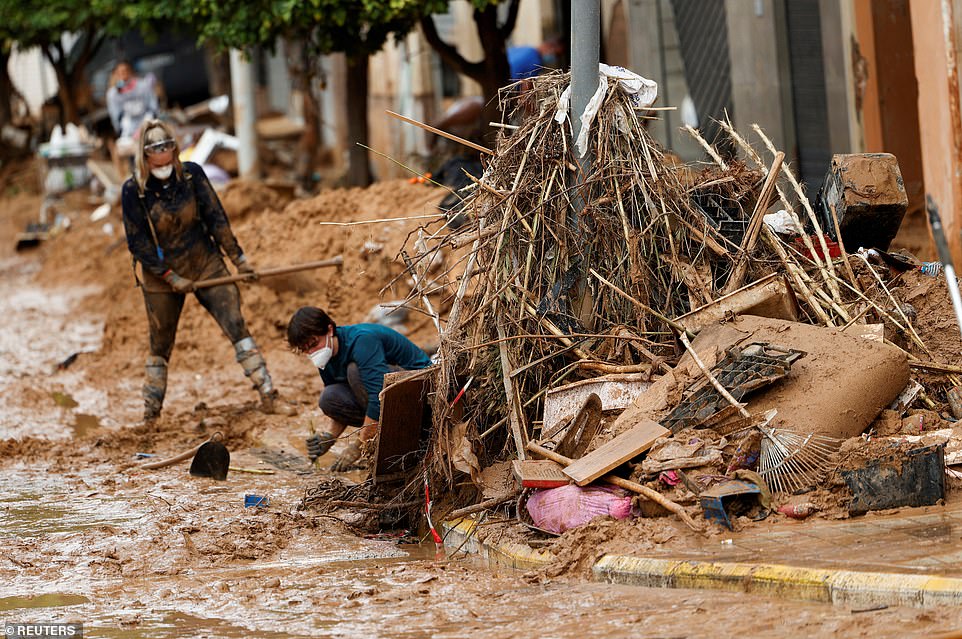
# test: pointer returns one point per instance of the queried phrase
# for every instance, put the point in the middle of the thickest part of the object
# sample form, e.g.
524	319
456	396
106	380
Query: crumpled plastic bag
642	90
782	222
559	509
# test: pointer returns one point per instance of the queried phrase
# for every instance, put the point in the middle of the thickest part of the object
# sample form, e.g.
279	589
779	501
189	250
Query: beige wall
935	28
760	79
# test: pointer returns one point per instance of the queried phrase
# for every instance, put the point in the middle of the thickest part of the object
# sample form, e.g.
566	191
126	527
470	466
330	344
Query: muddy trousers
163	315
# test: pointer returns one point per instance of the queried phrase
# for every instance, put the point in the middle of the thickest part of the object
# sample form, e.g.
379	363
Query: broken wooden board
404	411
582	430
622	448
539	473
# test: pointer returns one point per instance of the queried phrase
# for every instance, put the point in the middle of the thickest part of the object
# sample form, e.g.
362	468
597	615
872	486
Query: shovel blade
211	460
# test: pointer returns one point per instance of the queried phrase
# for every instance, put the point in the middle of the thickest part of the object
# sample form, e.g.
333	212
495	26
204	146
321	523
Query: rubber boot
255	368
155	387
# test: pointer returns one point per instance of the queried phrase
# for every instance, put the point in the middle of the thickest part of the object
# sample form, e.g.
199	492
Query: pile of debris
647	326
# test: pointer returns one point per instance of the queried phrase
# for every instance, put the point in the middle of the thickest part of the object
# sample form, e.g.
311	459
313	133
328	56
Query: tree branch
512	19
92	44
447	52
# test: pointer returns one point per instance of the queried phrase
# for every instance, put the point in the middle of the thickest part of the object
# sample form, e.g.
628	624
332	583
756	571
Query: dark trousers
340	404
346	402
163	314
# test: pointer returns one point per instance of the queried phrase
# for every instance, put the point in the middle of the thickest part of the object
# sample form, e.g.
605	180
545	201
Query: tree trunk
496	71
6	91
69	111
302	67
359	170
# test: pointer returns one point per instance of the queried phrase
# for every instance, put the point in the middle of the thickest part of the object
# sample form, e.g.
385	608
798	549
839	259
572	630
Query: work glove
244	267
347	459
178	283
318	444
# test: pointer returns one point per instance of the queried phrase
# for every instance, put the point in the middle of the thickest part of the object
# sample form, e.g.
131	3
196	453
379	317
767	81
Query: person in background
130	101
176	230
352	361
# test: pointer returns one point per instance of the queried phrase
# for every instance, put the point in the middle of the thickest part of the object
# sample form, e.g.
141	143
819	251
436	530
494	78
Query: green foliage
357	28
42	22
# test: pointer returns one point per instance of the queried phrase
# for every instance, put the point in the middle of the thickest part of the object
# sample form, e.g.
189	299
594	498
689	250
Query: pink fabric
566	507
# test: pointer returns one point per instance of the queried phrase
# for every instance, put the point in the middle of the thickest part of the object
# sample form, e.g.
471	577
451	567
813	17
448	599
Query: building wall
654	52
761	90
934	30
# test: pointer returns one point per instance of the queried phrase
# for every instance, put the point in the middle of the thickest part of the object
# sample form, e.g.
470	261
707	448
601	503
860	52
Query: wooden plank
609	456
404	412
539	473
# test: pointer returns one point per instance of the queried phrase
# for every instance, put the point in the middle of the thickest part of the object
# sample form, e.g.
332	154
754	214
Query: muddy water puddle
42	393
113	553
33	504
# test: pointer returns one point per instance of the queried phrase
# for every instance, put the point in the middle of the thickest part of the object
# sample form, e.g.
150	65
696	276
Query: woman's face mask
162	172
323	355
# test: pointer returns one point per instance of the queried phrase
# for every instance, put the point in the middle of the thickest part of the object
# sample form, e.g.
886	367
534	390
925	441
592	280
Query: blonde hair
155	131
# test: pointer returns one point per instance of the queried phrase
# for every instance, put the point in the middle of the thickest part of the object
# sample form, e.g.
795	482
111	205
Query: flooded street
88	536
137	555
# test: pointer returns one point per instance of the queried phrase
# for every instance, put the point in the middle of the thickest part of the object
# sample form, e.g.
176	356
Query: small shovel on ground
211	459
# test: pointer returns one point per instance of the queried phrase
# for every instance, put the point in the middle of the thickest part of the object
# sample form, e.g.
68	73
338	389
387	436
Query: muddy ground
86	535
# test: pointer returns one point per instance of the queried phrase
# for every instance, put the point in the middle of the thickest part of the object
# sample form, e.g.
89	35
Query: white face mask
162	172
322	356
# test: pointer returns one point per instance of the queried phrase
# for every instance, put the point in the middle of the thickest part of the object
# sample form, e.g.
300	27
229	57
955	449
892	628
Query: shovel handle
337	261
170	461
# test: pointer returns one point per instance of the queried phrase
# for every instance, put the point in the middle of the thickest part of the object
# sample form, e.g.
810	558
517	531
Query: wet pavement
921	541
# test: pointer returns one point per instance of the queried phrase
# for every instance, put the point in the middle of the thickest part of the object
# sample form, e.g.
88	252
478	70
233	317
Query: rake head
791	461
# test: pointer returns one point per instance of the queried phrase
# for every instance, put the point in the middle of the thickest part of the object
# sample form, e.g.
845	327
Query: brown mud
85	534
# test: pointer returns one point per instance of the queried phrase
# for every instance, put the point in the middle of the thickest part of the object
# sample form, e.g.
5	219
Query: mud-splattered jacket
189	222
374	348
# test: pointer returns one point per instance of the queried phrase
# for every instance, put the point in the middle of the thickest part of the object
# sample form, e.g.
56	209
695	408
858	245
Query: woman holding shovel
177	230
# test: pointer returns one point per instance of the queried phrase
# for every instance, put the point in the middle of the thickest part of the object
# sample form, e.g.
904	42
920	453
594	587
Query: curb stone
841	587
788	582
460	533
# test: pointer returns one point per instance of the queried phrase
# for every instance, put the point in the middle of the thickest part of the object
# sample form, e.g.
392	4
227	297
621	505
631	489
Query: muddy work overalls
179	225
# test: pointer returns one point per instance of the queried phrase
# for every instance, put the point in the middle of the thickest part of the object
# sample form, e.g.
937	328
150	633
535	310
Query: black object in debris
36	232
741	371
730	499
212	459
454	174
915	478
66	363
868	196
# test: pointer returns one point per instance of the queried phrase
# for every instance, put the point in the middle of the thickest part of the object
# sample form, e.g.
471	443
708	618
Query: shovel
938	234
211	459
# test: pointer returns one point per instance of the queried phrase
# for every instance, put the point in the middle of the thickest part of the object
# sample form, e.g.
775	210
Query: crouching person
352	361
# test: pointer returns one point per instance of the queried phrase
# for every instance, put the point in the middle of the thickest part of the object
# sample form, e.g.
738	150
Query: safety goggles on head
160	147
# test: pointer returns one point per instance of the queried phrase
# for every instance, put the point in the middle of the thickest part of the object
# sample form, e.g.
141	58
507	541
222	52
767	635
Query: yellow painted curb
459	534
808	584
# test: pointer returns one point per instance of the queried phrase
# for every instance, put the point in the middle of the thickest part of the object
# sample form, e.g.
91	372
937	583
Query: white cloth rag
642	90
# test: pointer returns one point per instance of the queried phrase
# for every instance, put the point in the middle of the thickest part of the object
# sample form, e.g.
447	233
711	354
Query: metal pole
242	92
585	48
585	45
